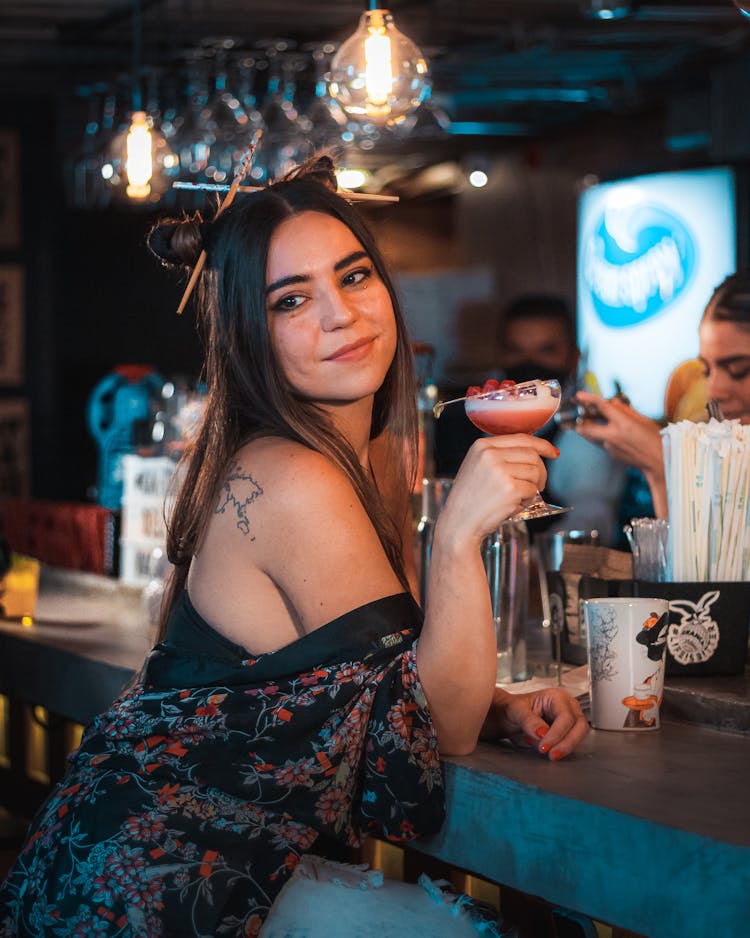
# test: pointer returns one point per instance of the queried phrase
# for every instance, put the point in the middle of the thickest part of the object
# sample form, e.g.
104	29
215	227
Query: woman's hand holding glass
498	474
504	407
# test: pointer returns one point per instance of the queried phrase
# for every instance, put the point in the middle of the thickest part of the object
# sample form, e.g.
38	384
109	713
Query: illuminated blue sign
637	261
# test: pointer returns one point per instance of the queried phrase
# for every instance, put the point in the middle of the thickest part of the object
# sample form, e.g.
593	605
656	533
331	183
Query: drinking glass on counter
549	548
648	539
434	493
505	554
506	561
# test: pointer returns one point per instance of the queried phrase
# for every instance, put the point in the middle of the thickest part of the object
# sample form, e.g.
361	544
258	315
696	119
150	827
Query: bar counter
646	831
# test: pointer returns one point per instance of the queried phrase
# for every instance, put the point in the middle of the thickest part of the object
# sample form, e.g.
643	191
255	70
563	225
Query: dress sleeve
401	794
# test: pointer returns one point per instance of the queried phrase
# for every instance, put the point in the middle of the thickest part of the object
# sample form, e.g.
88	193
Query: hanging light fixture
378	73
139	163
139	167
139	157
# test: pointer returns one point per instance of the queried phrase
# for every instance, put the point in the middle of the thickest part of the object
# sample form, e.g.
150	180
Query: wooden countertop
649	831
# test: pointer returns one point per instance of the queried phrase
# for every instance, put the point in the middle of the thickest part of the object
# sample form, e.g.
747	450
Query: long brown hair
248	396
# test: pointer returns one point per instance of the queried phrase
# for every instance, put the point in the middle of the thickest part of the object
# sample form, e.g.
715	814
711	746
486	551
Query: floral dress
188	804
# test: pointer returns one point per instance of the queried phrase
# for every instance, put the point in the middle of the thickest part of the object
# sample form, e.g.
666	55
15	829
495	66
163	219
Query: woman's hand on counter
550	720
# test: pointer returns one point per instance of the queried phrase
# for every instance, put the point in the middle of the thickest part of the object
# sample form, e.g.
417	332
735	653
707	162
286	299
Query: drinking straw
707	472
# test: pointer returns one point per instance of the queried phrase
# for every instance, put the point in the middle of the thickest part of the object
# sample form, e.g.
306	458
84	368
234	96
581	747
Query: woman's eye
356	276
739	374
287	303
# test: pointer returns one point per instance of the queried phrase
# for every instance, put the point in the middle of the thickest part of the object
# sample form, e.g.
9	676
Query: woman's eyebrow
726	362
349	259
303	278
732	360
285	282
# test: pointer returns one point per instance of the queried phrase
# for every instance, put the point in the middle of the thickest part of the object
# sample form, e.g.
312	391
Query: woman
724	338
288	703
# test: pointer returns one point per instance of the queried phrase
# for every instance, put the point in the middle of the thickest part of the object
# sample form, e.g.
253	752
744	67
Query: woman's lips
354	351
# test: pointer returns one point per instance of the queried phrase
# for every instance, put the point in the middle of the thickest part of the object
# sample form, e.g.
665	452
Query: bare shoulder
287	547
282	476
280	499
311	535
270	475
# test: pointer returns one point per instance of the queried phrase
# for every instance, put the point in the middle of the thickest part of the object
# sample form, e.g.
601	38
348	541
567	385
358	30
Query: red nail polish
544	747
528	740
541	731
555	755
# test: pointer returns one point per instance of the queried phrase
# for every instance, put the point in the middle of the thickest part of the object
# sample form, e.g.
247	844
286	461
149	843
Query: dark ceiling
501	69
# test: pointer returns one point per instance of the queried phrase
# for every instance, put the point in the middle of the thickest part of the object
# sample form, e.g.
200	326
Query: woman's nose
718	386
339	311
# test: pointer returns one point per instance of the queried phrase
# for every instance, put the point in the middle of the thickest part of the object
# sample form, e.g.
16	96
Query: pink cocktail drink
502	408
522	408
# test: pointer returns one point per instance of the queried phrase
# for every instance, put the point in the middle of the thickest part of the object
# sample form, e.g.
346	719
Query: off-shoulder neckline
368	611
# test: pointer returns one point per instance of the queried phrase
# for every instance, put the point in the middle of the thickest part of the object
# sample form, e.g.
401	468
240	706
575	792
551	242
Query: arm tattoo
239	492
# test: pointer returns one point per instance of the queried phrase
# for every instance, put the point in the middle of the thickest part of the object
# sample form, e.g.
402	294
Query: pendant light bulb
139	165
378	73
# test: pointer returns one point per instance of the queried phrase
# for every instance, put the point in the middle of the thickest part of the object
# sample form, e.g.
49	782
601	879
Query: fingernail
544	747
556	449
528	740
556	755
541	731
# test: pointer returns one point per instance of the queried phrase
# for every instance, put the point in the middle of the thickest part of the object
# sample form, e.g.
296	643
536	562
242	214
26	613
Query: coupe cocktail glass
519	408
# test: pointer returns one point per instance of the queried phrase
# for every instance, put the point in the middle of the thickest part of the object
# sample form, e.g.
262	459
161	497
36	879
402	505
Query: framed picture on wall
15	448
10	190
11	324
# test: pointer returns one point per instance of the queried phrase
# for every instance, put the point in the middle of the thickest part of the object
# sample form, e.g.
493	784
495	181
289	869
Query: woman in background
724	340
297	697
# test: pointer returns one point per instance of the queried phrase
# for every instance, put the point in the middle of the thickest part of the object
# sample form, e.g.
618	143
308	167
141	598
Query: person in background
298	698
536	339
724	352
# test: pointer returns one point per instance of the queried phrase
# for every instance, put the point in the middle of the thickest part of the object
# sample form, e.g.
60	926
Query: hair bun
177	242
320	169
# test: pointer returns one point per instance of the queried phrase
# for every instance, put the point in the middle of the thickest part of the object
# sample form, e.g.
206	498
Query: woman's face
330	316
725	353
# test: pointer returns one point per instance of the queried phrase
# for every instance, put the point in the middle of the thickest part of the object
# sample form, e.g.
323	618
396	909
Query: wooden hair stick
245	165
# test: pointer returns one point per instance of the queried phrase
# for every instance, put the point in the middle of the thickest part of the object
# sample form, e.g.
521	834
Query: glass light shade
139	163
378	73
